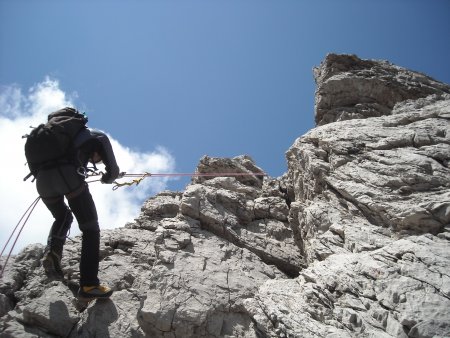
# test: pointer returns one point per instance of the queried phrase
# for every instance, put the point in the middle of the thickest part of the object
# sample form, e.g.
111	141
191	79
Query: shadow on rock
97	318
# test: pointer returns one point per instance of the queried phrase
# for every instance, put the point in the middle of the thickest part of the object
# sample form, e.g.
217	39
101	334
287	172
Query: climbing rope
140	177
144	175
93	173
25	216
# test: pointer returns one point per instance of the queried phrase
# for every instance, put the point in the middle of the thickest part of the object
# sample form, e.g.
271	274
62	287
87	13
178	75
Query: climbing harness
24	217
88	171
82	171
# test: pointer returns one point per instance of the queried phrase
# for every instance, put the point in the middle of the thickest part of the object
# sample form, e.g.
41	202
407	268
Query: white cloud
18	112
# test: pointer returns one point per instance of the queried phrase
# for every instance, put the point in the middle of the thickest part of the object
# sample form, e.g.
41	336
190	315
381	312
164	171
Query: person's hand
106	178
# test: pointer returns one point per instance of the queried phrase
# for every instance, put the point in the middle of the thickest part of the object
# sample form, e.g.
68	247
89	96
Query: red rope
196	174
27	214
122	175
140	177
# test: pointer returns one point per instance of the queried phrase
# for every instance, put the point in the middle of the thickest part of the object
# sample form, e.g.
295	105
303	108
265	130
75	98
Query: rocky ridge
353	241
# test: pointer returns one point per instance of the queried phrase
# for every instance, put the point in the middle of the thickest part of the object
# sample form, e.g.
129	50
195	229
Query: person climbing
66	178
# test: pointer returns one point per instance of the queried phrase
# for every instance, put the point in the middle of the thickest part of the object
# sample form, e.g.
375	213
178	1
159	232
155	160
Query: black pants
52	185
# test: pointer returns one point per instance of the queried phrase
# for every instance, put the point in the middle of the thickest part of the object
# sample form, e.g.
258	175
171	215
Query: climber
67	178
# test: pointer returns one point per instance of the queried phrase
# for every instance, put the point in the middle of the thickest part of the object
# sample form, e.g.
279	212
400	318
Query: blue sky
221	78
217	78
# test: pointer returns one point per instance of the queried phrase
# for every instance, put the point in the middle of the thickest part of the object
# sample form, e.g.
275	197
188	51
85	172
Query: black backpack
51	143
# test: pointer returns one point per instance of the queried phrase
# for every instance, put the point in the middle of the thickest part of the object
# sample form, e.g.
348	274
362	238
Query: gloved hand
107	178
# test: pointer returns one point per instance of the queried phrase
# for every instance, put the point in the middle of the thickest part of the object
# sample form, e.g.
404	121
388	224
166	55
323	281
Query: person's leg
52	185
57	236
61	226
83	207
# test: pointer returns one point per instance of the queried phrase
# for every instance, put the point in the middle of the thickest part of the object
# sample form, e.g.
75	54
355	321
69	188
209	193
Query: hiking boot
94	292
52	264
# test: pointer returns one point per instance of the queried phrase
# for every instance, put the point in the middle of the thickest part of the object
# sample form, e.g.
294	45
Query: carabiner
82	171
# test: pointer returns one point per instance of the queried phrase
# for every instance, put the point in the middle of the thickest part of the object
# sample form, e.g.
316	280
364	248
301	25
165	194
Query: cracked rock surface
182	269
353	241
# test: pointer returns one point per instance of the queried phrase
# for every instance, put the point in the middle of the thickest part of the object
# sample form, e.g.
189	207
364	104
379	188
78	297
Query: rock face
351	88
353	241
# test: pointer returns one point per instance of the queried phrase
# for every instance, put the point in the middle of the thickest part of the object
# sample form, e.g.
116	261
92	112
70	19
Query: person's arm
109	160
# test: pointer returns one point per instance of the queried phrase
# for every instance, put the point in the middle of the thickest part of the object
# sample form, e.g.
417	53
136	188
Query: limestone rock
371	211
246	217
238	165
171	279
400	290
351	88
370	180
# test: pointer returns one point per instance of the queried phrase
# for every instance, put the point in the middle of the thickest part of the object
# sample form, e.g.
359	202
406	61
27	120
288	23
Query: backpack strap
28	176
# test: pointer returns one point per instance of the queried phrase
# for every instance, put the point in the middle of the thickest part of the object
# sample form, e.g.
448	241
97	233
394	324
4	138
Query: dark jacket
89	141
